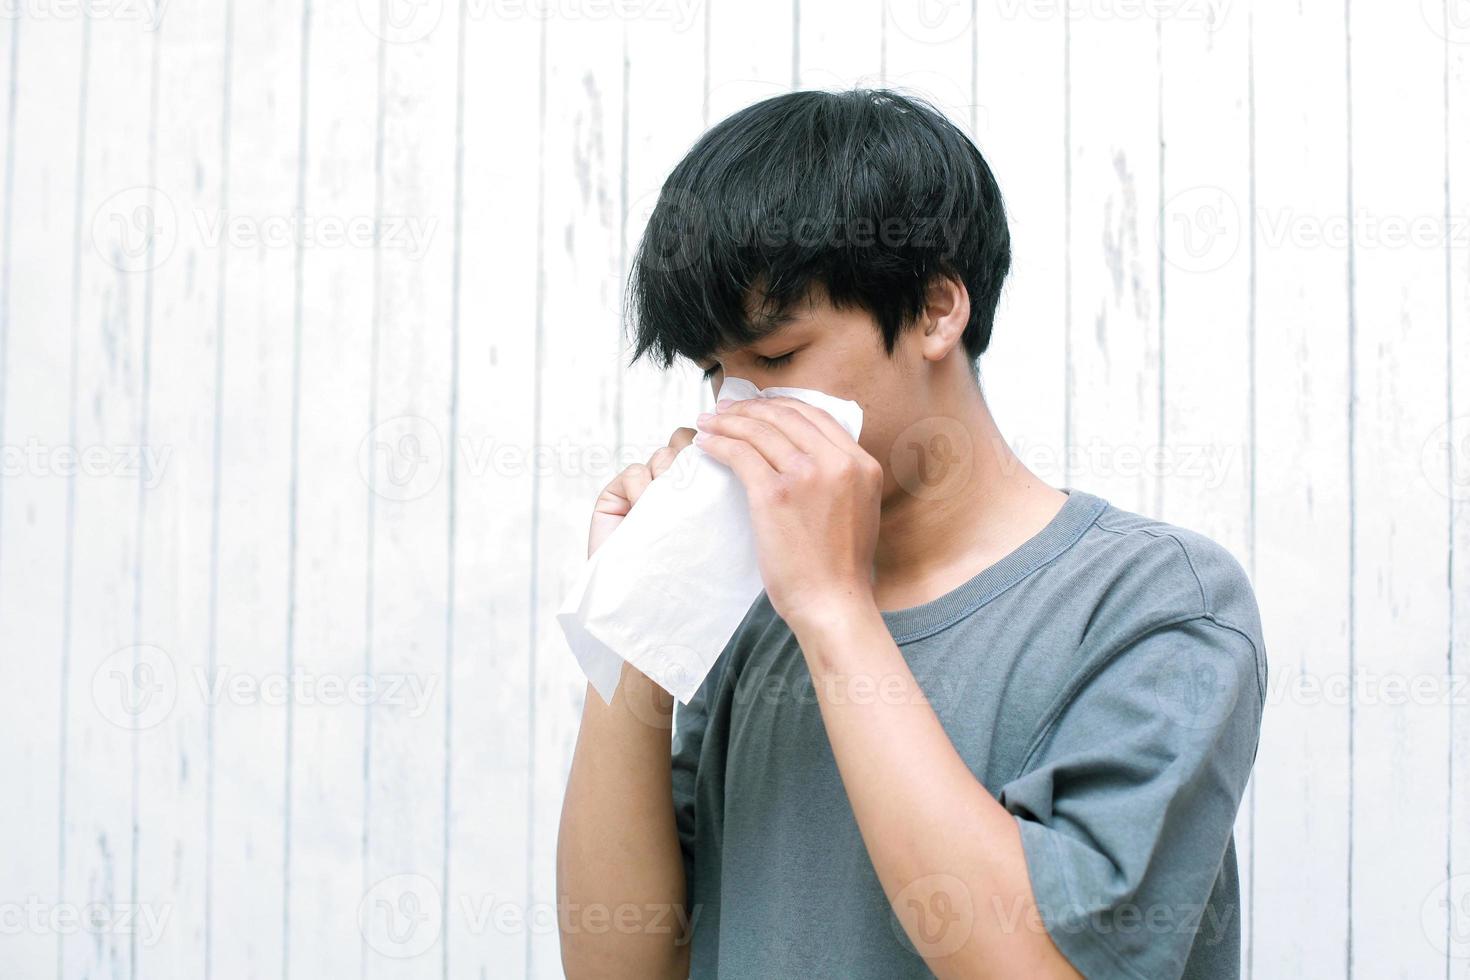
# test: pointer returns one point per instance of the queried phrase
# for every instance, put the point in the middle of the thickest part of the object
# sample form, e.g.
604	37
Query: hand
814	498
619	496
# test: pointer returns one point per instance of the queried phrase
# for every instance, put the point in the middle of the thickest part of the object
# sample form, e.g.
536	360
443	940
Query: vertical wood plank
577	377
115	687
248	836
661	123
839	46
1454	442
1453	472
1113	331
178	486
413	367
333	460
1303	510
753	53
929	50
44	74
1021	128
1400	526
490	777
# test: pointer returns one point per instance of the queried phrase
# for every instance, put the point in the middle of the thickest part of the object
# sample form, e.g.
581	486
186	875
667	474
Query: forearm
620	877
942	846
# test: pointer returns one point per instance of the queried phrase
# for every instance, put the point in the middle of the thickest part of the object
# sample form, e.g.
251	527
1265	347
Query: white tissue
669	586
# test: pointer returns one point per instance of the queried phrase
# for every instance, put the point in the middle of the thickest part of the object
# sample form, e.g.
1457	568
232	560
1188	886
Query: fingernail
700	437
724	403
704	416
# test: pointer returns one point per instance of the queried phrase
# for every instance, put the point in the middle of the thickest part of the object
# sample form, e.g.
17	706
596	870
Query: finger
619	496
664	456
662	459
820	418
785	416
769	440
745	460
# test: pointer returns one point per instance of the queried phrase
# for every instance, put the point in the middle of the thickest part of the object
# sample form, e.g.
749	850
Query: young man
974	726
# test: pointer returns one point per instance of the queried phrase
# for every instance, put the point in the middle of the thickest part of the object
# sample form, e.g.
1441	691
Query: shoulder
1146	575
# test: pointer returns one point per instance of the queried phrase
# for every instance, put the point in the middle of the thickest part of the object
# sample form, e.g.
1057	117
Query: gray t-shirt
1104	682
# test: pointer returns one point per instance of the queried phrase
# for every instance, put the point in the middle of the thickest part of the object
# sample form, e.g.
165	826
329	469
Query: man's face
841	353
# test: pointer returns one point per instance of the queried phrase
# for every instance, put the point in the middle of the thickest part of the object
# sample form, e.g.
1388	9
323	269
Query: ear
946	314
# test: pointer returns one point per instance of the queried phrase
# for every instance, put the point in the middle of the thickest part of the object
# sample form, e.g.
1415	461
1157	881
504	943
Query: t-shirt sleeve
1128	799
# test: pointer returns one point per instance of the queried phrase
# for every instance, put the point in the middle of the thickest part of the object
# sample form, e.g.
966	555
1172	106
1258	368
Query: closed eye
769	363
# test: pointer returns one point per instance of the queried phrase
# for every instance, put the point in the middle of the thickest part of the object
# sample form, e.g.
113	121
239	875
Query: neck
972	503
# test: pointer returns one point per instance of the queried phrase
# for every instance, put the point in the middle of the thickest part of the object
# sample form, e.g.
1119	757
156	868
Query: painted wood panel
286	691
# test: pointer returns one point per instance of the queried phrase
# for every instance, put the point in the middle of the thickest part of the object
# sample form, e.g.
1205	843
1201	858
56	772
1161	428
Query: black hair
868	192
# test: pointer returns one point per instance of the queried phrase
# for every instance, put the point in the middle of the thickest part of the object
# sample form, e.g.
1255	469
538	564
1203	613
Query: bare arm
619	874
948	854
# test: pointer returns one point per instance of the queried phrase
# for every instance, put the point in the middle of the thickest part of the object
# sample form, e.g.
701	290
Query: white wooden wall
373	458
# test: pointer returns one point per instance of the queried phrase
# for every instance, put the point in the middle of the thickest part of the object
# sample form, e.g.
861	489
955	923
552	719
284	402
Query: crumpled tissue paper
668	588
